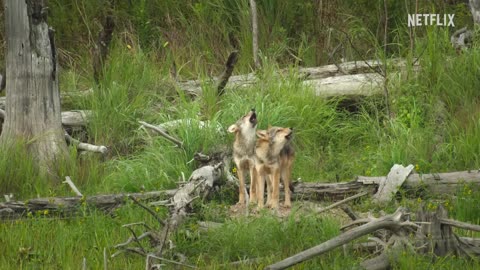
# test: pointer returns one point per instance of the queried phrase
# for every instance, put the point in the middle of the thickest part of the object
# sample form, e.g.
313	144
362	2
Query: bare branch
69	182
162	133
342	202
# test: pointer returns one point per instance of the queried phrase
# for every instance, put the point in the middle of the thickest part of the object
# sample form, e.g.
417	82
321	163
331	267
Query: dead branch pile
430	233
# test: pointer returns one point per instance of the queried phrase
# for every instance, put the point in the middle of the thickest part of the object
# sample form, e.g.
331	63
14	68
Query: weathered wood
394	222
361	76
347	85
342	202
65	97
433	183
227	72
69	118
66	205
254	17
394	180
86	146
329	191
475	9
32	111
163	133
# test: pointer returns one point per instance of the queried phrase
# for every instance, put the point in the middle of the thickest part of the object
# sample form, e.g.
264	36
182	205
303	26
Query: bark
253	12
69	118
475	9
65	97
32	111
101	48
227	72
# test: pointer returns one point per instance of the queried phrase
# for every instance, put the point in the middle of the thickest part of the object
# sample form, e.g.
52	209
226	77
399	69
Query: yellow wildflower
45	212
129	47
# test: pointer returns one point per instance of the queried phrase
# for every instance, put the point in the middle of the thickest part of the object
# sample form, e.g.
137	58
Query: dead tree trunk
101	48
33	100
253	12
475	9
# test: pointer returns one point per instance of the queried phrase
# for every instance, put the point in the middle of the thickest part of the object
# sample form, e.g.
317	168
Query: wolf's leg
269	190
241	191
286	174
275	188
253	184
260	187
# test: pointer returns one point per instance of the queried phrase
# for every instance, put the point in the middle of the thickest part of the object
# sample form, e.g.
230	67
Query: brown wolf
274	157
244	153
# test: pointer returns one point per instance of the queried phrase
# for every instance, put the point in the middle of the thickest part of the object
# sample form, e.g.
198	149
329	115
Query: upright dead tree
104	38
32	109
253	12
475	9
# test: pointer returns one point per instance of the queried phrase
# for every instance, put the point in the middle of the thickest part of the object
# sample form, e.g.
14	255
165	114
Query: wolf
244	153
274	157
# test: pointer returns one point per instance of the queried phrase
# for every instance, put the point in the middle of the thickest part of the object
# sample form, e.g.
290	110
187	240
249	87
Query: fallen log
70	205
433	183
353	83
441	183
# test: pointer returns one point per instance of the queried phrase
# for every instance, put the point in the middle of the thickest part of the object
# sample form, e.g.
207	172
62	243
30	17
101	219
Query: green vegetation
434	124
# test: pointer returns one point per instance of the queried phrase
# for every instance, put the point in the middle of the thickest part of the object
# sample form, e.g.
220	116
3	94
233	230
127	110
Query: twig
148	210
162	133
173	262
72	186
342	202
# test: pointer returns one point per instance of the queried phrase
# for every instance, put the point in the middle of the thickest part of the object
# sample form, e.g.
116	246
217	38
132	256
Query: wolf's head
277	138
246	125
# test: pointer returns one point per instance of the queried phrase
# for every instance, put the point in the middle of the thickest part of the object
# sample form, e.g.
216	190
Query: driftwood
433	236
163	133
70	205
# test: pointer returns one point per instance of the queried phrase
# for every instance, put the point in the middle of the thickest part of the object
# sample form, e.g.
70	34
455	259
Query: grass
434	125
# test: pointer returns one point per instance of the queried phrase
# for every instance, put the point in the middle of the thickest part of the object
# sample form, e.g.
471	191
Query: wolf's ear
269	126
233	128
262	134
